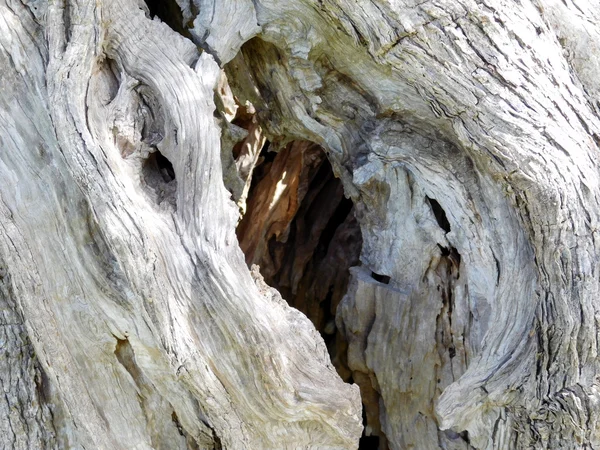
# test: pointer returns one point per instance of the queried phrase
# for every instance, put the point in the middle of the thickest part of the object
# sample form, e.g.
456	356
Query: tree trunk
466	135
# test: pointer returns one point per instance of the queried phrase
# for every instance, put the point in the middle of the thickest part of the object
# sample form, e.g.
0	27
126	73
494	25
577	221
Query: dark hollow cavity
385	279
169	12
440	214
159	175
301	230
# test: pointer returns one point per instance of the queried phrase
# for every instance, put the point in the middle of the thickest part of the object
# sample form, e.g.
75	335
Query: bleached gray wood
490	109
129	317
132	289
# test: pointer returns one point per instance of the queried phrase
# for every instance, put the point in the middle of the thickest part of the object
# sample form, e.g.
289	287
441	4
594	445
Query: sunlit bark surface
465	134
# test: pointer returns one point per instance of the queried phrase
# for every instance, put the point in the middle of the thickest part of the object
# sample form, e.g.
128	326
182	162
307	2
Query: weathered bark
134	291
467	135
465	132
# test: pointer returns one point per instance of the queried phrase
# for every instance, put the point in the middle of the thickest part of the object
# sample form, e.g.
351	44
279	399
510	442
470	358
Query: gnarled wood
466	134
134	292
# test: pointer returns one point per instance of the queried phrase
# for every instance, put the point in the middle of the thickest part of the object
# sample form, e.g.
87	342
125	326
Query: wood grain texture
135	295
465	132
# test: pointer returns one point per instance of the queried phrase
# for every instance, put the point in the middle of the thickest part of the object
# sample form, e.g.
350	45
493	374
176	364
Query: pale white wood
466	133
135	296
489	109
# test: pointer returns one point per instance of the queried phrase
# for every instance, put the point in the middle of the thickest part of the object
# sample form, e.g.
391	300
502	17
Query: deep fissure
440	214
159	175
305	249
302	234
308	261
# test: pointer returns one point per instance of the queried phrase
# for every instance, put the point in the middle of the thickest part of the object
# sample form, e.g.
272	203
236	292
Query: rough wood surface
465	132
141	311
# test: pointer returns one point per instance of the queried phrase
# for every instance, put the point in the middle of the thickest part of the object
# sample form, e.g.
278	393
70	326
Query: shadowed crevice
169	12
440	214
159	175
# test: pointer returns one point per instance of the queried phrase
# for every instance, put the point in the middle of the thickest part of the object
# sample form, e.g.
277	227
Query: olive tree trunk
465	132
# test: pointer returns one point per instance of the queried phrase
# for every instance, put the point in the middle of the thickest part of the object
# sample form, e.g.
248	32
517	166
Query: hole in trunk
301	230
159	175
440	214
385	279
369	443
169	12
